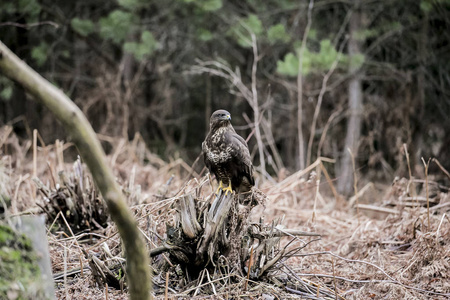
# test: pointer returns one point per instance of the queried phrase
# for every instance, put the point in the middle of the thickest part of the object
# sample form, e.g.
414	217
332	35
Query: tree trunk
345	181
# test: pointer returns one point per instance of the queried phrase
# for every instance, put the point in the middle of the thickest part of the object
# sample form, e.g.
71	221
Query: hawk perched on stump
227	156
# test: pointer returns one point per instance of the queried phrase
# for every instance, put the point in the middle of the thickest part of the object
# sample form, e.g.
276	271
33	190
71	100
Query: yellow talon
228	188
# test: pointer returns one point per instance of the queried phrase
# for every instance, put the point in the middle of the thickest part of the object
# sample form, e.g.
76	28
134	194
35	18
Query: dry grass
388	252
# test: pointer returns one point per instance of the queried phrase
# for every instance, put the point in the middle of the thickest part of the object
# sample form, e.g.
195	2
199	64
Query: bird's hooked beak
225	117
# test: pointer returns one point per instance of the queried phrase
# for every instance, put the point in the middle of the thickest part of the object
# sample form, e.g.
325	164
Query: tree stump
206	232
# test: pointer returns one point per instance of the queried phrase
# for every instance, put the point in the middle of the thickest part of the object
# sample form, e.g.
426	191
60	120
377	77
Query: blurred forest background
369	75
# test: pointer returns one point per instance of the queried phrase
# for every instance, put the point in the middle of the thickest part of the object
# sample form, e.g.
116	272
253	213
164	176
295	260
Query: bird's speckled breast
216	149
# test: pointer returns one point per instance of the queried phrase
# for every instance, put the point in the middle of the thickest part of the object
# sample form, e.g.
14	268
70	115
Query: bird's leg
220	187
228	188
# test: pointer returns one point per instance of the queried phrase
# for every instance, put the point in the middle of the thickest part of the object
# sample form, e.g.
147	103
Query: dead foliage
390	242
75	197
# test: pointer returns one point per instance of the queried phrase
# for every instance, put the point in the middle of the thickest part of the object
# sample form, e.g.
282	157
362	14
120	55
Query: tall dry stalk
319	105
317	190
410	186
301	142
355	183
426	165
34	161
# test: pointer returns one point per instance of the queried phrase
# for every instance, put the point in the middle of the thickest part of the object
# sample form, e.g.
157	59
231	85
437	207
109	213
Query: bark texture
355	107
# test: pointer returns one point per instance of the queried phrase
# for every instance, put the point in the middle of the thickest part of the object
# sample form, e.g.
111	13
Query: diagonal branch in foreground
76	124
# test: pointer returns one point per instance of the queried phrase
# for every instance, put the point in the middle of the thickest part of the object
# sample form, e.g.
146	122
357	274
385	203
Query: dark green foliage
313	62
39	53
277	33
144	48
116	26
244	28
83	27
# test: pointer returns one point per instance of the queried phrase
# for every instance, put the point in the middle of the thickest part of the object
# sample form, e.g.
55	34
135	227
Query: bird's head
220	118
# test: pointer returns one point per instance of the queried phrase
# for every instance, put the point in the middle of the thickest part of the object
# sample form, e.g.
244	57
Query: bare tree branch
28	26
138	270
319	104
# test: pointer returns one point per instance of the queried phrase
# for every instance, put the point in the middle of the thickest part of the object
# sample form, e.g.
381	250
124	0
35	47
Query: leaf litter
385	246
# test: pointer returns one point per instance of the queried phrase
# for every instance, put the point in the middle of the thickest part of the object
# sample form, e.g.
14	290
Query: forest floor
382	244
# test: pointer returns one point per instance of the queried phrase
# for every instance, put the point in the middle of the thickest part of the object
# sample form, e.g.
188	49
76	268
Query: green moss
19	272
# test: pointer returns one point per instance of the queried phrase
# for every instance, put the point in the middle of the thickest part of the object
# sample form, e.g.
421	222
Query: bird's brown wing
242	161
205	150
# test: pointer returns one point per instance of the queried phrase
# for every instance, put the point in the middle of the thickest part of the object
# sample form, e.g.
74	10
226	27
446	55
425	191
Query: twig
325	130
355	182
75	271
301	146
71	232
293	179
319	290
206	283
166	290
28	26
439	227
16	193
330	182
250	264
209	280
377	208
292	253
426	165
267	127
439	206
292	233
192	167
34	162
411	179
319	105
316	194
59	148
80	258
66	290
441	167
199	283
361	192
334	279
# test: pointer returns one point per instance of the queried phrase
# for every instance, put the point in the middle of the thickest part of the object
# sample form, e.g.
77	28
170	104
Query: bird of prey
227	156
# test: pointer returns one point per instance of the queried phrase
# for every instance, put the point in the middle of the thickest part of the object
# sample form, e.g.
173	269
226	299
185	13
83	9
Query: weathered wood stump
206	232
